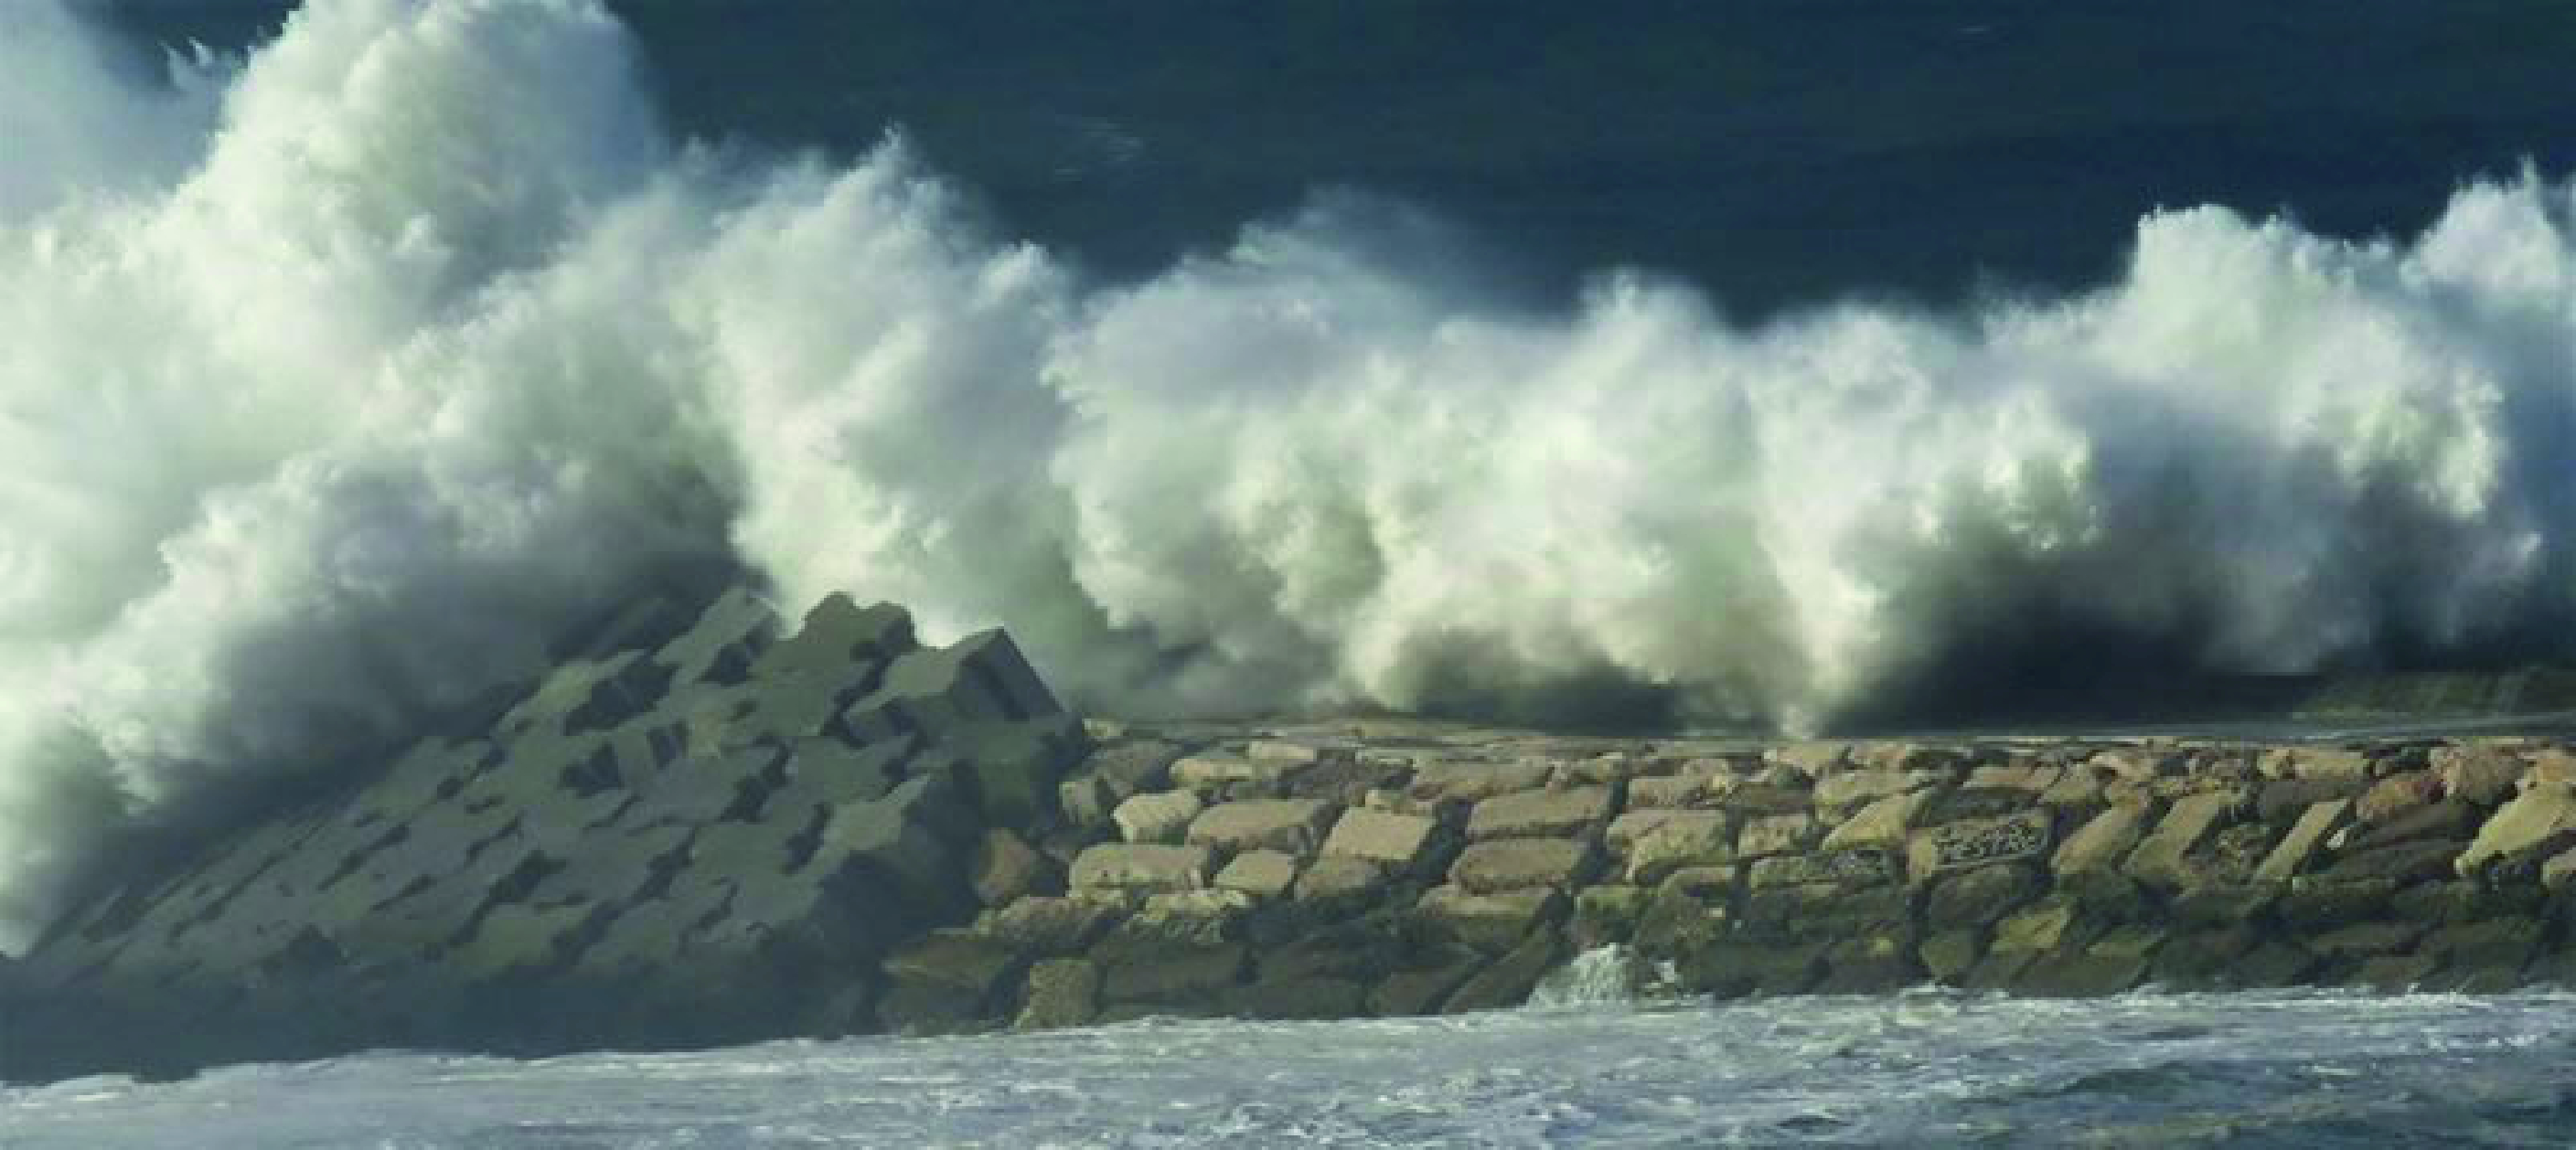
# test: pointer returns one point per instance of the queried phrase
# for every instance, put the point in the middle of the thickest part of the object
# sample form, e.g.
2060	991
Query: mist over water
336	379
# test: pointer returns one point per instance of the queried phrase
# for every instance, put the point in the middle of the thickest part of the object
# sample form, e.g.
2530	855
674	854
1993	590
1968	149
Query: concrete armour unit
713	839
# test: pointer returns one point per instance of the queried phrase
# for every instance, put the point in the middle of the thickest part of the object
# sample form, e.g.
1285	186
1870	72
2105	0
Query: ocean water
2286	1069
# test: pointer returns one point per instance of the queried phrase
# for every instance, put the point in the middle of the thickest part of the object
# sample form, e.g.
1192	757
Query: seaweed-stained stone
1511	864
1295	826
2540	820
1261	873
1396	841
1061	992
2160	856
2292	854
1141	867
1161	817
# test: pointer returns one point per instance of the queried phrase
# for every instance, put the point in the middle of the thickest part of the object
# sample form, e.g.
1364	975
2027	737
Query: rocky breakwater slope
729	836
1403	868
710	840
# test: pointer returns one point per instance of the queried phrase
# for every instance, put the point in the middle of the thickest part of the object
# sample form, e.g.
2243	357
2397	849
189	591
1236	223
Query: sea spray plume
431	343
326	428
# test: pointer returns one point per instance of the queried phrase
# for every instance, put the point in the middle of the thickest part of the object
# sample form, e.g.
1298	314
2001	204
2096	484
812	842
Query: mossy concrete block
1174	975
1981	896
1061	992
1509	979
958	958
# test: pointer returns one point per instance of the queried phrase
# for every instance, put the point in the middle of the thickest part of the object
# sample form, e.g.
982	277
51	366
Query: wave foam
328	392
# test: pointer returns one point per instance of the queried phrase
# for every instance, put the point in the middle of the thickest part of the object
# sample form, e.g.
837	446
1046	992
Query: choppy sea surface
1920	1069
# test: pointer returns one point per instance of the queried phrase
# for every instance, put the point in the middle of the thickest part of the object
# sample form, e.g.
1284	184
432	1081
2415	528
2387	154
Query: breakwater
731	833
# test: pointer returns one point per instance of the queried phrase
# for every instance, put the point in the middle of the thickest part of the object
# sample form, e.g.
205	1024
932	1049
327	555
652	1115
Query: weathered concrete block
1261	873
978	964
1161	817
1490	923
1776	834
1213	770
1690	788
2051	925
720	647
2539	821
1525	814
1143	867
1004	867
2101	844
1846	788
1511	864
1475	780
1052	925
1981	896
1687	839
1339	879
941	693
2161	857
1295	826
2480	775
1978	842
1859	866
2396	795
2292	854
1173	976
1397	841
1884	822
